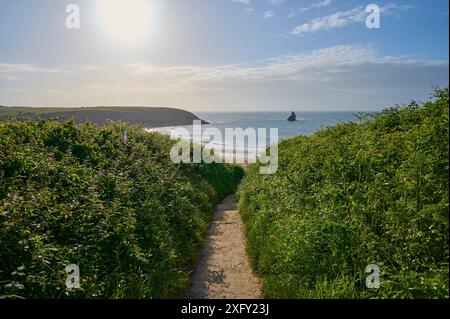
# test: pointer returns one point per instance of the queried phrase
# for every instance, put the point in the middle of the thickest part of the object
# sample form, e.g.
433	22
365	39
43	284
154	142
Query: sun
126	20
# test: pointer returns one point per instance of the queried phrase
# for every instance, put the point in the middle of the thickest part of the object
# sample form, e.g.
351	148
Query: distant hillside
146	116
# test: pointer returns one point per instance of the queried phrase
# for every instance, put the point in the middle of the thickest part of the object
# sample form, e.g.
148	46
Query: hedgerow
371	191
125	214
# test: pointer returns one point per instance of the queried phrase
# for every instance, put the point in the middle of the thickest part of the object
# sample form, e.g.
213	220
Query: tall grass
125	214
374	192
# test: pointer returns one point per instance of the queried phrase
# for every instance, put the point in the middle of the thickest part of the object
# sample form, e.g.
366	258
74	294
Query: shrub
353	195
125	214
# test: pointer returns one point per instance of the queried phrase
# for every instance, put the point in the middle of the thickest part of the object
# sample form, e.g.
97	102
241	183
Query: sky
222	55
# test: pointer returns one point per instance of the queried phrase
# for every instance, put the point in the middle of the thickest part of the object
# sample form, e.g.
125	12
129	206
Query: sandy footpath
223	270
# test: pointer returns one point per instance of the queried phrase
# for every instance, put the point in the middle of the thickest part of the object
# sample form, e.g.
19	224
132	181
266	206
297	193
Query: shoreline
240	154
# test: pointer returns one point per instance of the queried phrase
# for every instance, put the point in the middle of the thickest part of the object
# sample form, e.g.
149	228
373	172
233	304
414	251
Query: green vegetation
374	192
125	214
146	116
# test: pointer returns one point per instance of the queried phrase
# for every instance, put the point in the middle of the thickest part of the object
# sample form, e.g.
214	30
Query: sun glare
126	21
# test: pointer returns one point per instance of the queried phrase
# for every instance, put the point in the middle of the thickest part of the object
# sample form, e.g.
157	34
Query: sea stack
292	118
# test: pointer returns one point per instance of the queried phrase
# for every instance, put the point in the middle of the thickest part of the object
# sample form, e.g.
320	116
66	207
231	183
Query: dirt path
223	271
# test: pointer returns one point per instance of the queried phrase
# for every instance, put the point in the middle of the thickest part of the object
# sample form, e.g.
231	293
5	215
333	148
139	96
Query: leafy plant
353	195
125	214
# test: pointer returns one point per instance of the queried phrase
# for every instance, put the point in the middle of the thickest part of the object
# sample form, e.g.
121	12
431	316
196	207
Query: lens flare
126	20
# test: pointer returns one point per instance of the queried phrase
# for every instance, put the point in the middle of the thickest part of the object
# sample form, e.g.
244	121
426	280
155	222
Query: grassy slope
353	195
125	214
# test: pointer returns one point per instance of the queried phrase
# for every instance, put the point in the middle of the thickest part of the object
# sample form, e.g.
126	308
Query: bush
125	214
353	195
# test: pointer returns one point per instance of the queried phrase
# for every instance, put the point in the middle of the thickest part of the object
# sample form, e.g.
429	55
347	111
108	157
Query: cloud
316	5
335	20
242	1
392	8
341	19
268	14
344	77
330	60
249	10
341	77
7	68
277	2
89	68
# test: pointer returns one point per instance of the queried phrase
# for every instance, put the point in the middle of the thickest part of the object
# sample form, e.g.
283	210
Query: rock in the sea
292	118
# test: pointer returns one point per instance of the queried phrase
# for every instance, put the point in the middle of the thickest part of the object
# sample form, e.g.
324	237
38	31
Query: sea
307	123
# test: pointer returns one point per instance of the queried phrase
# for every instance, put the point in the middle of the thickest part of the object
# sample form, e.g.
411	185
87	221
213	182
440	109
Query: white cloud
316	5
8	68
330	60
268	14
321	4
242	1
277	2
341	19
392	8
291	67
335	20
334	78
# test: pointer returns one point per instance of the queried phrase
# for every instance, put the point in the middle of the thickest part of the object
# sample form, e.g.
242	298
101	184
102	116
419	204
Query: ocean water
307	123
